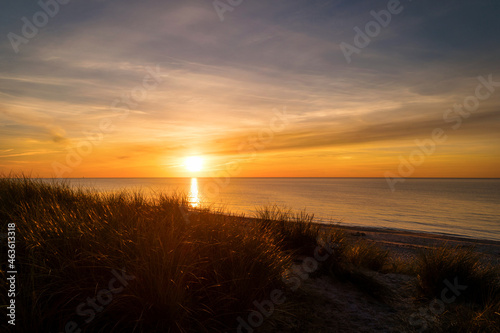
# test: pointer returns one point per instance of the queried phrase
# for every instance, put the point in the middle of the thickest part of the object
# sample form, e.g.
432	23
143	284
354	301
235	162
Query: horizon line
304	177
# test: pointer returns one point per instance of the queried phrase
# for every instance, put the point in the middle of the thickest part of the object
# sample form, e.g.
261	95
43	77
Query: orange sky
265	93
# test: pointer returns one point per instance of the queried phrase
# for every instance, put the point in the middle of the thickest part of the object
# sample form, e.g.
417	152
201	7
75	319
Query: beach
186	269
406	244
339	306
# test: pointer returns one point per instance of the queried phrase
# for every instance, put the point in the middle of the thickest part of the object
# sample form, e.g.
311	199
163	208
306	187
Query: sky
295	88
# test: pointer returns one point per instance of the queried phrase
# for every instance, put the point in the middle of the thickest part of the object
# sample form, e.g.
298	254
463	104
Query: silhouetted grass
475	305
192	275
464	265
365	254
466	318
401	265
194	270
351	260
297	231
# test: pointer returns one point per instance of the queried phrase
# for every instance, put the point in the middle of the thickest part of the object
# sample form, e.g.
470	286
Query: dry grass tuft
190	275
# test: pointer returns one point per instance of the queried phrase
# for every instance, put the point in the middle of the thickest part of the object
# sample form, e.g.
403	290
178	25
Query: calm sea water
461	207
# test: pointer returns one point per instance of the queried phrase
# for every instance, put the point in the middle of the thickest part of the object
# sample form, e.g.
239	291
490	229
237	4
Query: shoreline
407	244
185	265
402	232
430	235
448	229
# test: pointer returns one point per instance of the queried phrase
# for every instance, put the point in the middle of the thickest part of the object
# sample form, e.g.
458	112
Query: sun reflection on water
194	199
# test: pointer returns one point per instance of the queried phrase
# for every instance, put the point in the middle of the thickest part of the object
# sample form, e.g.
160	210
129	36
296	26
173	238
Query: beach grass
185	274
297	231
439	267
123	262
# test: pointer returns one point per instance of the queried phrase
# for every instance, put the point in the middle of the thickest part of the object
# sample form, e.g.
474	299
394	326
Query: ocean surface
459	207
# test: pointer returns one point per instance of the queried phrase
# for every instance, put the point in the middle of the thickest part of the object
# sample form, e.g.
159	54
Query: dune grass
476	304
193	274
192	270
297	231
353	261
446	263
466	318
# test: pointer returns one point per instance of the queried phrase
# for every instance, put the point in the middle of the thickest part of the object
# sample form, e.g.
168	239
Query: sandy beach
279	272
408	244
335	306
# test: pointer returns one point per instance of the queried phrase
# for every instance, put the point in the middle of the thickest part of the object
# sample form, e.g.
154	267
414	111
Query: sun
194	163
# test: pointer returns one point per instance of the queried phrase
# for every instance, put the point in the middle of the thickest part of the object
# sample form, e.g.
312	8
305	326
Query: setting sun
247	166
194	163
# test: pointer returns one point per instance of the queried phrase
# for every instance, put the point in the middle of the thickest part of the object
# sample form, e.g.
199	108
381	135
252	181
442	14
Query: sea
467	208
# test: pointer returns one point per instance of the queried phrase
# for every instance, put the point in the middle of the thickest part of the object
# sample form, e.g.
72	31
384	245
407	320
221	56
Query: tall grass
477	306
193	272
446	263
353	261
349	259
466	318
296	231
193	275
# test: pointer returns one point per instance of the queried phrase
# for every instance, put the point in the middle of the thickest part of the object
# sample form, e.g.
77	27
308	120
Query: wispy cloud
225	78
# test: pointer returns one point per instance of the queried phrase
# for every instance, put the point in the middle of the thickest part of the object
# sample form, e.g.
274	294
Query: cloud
25	123
223	79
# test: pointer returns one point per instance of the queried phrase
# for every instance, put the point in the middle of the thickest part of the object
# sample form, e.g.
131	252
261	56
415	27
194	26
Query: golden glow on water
194	199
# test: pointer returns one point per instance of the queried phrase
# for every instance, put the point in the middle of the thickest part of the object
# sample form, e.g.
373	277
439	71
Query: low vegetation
459	274
191	272
124	263
296	231
463	266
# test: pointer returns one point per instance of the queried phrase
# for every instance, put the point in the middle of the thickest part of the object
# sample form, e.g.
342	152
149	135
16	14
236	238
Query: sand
334	306
407	244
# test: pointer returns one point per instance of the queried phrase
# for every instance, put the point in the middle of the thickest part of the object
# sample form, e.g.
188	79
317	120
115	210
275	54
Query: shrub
365	254
459	264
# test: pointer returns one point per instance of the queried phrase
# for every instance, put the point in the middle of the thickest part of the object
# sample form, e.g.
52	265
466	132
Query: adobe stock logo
427	147
372	29
98	303
121	108
225	6
40	19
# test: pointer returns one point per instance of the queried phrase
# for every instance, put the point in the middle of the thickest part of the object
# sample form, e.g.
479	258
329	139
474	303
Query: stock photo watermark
31	27
253	143
222	6
102	299
428	146
372	29
11	273
293	279
121	108
437	306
